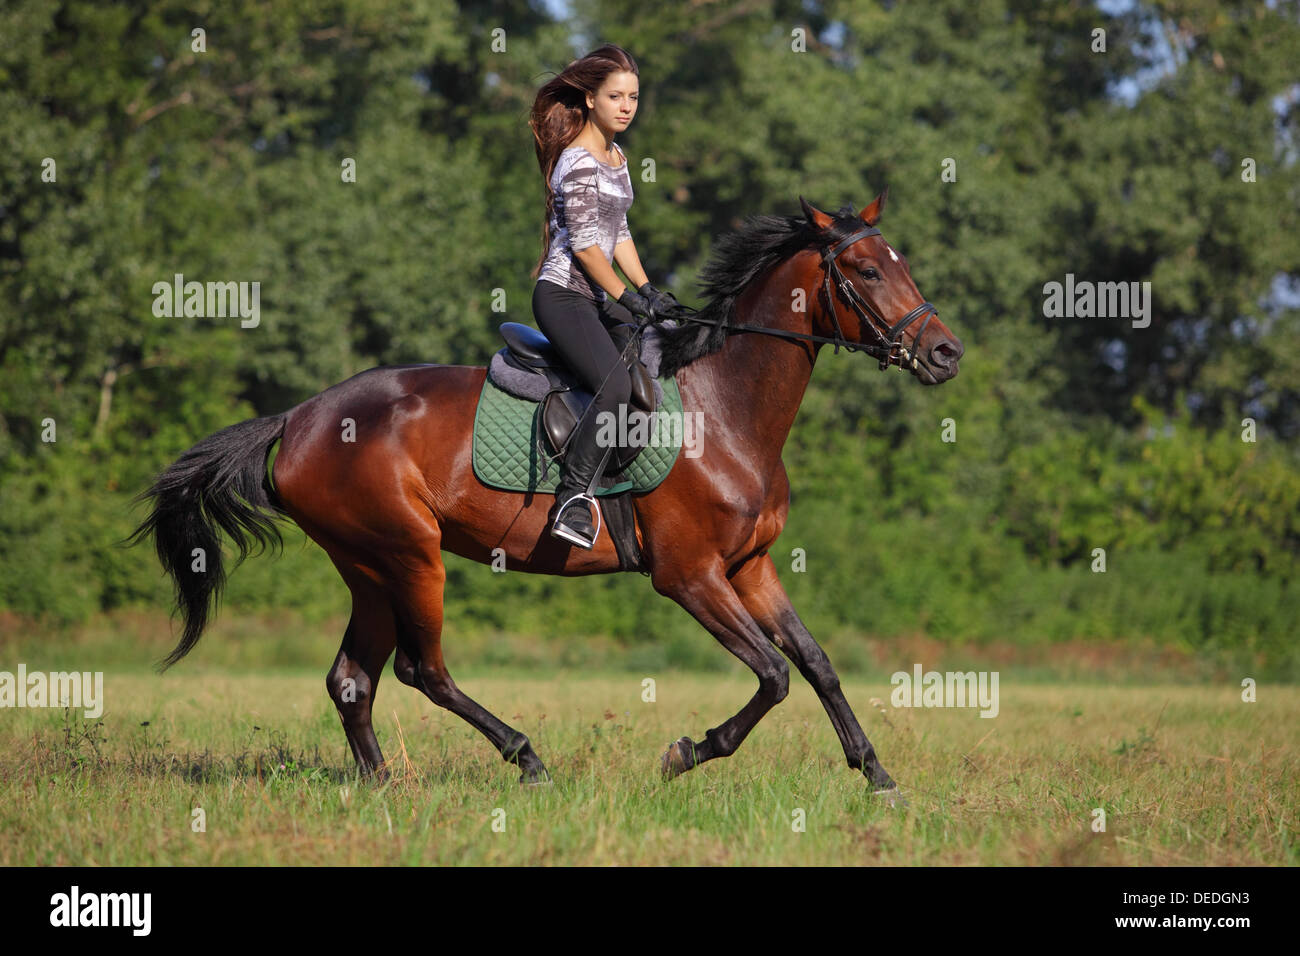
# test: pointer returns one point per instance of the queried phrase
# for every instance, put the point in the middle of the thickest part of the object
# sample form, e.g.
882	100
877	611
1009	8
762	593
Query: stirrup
559	531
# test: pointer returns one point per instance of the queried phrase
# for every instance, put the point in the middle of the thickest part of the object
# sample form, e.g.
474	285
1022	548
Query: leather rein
888	347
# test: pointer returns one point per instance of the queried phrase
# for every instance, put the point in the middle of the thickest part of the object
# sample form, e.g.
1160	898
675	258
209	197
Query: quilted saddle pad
506	437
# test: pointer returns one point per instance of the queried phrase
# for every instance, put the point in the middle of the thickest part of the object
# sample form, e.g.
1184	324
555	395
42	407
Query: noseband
888	346
888	337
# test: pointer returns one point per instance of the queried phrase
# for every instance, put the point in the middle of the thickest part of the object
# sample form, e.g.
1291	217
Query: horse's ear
871	214
815	215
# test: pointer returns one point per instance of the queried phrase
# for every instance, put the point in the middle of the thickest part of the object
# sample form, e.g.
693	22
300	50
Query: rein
888	346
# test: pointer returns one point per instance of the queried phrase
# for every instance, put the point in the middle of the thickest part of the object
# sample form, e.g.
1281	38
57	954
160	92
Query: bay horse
385	504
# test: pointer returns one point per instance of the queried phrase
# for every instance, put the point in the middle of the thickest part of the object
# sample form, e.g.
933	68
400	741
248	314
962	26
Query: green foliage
1071	435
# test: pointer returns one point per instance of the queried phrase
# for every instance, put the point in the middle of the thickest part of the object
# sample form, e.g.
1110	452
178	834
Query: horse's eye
869	273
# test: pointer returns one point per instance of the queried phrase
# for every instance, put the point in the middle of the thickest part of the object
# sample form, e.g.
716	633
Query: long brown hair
560	113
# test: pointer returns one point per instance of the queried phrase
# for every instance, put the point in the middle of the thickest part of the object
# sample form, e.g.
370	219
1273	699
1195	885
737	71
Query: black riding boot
573	518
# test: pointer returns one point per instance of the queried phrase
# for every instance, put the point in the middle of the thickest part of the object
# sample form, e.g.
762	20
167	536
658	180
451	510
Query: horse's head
875	303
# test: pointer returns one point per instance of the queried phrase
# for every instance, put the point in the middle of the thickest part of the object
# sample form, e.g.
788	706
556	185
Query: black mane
738	258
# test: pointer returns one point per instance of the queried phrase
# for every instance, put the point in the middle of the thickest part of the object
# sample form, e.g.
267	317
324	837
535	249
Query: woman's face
614	104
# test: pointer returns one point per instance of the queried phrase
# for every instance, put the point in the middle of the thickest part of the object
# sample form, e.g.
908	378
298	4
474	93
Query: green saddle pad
505	444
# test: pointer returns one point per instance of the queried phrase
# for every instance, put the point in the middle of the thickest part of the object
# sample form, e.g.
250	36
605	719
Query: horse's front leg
709	597
761	592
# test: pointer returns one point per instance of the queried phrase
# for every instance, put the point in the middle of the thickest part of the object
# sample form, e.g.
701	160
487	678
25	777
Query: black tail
219	483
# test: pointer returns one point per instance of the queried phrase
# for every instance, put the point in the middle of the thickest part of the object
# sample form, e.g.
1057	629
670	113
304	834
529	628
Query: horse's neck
757	381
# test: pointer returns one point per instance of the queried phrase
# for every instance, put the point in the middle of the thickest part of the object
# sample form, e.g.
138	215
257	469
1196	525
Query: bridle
888	346
888	337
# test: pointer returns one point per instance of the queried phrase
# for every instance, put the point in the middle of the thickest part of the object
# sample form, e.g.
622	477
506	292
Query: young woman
579	302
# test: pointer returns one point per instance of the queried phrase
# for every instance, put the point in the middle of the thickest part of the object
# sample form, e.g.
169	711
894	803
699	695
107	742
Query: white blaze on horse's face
892	254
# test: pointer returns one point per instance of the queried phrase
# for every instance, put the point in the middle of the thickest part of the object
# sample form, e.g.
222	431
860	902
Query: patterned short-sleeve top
591	203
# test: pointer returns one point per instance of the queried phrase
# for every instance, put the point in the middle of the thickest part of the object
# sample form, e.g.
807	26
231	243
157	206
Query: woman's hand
661	302
640	307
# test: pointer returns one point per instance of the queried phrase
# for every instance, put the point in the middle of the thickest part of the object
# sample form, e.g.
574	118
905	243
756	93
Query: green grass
1186	775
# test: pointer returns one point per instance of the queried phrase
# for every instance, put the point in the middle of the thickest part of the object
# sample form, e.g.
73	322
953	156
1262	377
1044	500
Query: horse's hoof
678	758
893	798
535	778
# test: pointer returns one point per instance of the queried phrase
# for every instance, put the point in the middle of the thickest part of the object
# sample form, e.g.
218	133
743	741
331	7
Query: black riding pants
589	337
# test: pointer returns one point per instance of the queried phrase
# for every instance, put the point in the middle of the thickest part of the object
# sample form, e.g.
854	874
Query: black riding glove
640	307
663	302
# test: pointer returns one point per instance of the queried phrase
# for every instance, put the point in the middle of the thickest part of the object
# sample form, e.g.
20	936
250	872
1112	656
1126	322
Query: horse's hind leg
354	678
419	662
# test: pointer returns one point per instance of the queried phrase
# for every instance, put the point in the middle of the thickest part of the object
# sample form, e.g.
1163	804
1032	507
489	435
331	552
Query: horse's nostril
946	353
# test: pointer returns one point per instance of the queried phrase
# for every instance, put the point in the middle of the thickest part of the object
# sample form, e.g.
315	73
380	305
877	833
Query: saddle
528	350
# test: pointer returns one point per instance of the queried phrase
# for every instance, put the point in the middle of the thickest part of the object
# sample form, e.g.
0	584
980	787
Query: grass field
1185	775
